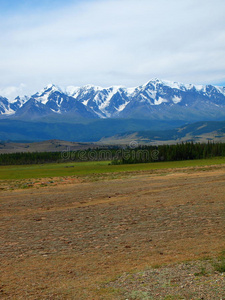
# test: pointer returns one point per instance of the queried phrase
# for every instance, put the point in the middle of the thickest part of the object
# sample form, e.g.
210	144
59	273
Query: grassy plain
90	168
137	236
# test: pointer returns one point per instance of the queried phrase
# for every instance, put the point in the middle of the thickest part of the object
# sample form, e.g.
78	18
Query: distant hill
45	146
91	131
197	132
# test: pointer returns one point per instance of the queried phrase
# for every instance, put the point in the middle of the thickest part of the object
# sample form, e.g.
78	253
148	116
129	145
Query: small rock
127	246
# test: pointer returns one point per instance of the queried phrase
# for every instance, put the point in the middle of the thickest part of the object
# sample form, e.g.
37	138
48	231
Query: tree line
118	155
25	158
178	152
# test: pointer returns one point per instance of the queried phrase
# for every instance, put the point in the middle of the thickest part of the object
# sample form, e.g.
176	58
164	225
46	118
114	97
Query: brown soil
71	241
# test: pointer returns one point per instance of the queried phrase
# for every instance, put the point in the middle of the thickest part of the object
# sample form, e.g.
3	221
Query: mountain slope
113	131
5	106
197	132
93	131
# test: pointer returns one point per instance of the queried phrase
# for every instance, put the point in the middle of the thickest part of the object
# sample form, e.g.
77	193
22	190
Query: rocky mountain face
4	106
155	100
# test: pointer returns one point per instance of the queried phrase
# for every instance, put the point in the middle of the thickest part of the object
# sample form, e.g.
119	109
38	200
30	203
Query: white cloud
11	92
115	42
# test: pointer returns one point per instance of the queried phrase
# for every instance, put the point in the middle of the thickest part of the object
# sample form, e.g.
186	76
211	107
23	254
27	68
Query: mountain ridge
156	100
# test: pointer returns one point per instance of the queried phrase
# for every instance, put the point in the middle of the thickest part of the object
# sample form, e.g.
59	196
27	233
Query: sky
109	42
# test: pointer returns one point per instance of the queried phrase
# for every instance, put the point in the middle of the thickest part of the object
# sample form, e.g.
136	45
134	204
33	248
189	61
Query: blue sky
18	6
109	42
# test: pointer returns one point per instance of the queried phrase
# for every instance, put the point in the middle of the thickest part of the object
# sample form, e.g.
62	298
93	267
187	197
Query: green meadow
91	168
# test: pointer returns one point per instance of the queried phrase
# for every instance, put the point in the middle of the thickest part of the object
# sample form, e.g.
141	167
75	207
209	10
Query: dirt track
62	242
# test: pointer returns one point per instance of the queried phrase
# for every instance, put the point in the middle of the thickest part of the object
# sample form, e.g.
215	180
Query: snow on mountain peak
49	86
111	101
197	87
130	91
43	95
72	90
221	89
49	89
111	92
93	87
22	100
172	84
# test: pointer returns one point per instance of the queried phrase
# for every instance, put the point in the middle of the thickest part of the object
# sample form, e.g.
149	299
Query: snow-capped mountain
156	99
9	108
51	100
172	100
104	102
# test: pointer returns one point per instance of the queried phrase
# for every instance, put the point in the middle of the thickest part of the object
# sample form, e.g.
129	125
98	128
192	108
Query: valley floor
91	240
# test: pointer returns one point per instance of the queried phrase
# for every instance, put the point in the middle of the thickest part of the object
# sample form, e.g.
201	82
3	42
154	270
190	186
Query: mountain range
155	100
91	114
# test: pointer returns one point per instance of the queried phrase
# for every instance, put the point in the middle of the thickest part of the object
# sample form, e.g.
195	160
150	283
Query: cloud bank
107	42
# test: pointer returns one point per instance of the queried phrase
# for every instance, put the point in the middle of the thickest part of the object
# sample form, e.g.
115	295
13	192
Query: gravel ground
189	280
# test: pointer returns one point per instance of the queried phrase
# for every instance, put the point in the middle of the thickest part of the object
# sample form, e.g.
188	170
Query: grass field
90	168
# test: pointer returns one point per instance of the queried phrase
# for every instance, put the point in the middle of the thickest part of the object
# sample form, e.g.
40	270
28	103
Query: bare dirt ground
45	146
79	240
